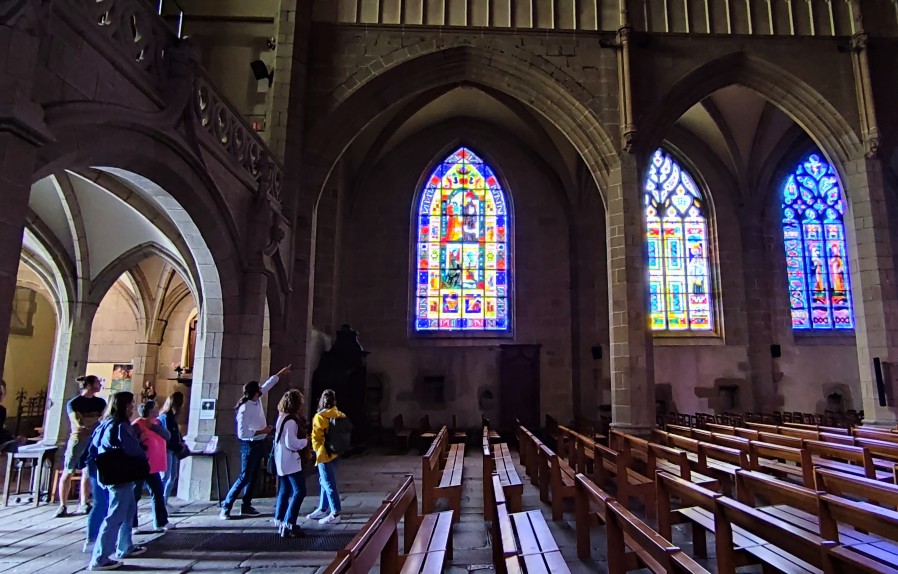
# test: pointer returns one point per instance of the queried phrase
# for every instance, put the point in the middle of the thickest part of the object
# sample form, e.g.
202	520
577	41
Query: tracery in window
678	249
463	265
816	252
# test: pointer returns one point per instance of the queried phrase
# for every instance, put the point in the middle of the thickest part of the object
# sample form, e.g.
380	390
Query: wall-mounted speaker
776	351
596	353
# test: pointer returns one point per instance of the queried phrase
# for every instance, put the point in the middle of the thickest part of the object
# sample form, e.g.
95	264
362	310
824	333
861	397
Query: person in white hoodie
252	428
291	437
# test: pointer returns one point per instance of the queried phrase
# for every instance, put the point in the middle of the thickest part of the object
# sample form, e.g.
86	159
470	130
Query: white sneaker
330	519
317	515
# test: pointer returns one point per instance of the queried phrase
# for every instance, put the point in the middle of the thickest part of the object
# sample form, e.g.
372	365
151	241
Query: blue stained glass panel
816	250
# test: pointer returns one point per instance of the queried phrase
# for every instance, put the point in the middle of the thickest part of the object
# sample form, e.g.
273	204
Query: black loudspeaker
596	353
880	382
775	351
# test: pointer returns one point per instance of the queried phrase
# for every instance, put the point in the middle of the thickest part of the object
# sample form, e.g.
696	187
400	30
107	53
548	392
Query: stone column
758	289
872	282
240	353
22	131
146	363
632	365
69	362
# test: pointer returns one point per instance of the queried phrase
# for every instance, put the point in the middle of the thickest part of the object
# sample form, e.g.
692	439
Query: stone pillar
758	289
240	353
632	365
872	282
22	131
69	362
146	363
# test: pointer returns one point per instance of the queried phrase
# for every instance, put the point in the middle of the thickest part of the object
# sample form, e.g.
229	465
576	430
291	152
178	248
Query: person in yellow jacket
328	511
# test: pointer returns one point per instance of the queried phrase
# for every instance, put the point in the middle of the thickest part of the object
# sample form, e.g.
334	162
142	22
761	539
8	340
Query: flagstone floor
33	541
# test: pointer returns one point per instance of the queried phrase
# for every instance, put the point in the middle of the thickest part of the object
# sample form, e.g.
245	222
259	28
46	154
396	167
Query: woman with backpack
328	511
118	457
290	439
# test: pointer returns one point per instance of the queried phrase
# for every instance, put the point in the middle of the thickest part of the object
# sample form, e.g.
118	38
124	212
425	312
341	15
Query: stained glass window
463	264
677	238
816	253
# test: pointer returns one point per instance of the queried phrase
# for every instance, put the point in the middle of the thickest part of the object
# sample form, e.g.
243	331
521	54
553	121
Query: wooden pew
528	449
522	541
555	477
846	459
743	535
508	475
613	467
427	539
499	461
791	503
624	530
875	434
772	459
402	435
442	479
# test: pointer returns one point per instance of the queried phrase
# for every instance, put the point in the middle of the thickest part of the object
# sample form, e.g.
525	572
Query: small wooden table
38	455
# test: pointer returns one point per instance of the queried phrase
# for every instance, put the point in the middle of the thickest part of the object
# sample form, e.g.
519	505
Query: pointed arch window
678	249
463	277
816	252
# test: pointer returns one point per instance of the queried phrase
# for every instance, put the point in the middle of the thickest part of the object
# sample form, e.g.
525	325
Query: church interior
635	259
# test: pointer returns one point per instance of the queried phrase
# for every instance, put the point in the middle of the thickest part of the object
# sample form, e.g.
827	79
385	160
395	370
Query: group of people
152	438
152	441
290	452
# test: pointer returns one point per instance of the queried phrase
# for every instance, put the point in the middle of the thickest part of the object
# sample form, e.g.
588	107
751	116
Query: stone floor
32	541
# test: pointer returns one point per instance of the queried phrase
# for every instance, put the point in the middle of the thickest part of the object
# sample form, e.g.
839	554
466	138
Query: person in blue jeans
328	511
175	445
290	439
115	531
252	429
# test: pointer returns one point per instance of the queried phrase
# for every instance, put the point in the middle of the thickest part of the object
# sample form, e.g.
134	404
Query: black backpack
338	439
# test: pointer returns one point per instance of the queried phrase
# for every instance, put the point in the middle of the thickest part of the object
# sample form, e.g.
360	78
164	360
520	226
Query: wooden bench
556	481
610	466
792	503
647	549
852	460
522	541
401	434
742	534
528	449
875	433
773	459
442	478
497	458
427	540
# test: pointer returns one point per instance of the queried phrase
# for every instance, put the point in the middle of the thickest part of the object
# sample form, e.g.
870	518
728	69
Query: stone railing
748	17
138	33
142	42
233	135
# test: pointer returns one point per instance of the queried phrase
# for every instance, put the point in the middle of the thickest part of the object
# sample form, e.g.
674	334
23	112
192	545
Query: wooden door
519	386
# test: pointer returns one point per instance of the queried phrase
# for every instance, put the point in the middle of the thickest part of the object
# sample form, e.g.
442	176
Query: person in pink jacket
153	436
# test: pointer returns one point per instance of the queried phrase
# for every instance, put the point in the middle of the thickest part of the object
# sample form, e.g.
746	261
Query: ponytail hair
173	403
88	381
250	390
